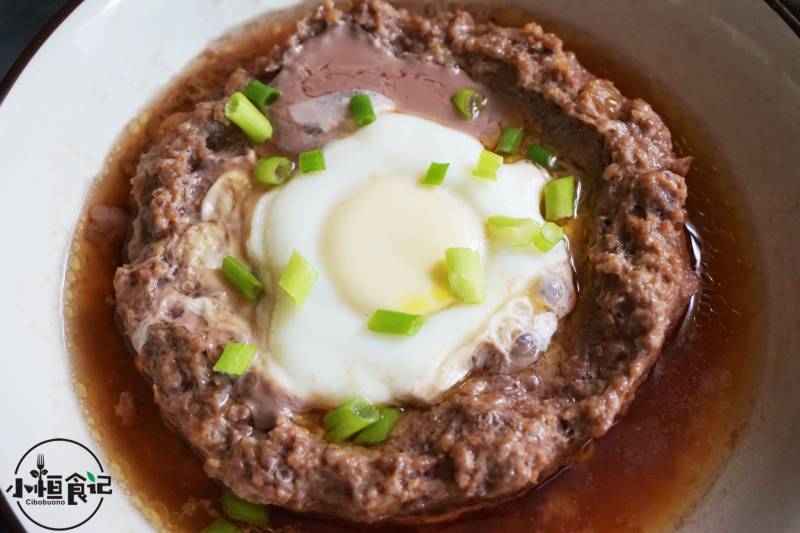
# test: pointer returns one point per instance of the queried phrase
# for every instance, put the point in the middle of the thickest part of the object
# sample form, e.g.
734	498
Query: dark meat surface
499	432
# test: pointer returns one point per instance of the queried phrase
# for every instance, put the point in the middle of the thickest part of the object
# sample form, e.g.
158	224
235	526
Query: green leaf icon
90	476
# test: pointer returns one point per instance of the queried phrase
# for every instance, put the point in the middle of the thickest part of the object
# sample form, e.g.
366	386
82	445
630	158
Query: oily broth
645	474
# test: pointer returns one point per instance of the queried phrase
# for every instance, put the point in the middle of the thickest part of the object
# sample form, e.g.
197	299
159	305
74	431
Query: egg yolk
384	244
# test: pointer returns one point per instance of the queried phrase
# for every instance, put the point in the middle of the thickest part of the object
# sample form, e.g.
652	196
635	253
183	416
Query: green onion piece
548	236
512	231
222	525
260	94
361	108
559	198
244	511
350	418
298	277
541	155
312	161
488	165
435	174
469	103
510	140
465	275
244	114
242	278
384	321
235	358
379	431
273	170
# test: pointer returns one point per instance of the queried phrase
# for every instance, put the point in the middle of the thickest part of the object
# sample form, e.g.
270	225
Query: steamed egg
377	238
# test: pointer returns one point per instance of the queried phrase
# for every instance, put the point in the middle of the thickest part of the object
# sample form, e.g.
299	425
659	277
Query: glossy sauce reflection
644	475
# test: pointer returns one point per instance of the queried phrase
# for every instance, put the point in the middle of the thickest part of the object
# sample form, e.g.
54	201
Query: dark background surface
22	20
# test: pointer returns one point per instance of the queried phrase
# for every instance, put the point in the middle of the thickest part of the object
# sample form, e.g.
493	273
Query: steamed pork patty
496	392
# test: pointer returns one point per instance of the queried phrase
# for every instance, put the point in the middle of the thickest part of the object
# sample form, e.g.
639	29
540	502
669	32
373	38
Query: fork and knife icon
40	473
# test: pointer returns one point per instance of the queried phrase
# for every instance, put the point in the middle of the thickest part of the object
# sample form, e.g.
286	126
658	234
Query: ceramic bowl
734	65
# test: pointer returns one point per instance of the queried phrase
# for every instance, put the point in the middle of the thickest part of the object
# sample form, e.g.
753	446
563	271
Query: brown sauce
653	465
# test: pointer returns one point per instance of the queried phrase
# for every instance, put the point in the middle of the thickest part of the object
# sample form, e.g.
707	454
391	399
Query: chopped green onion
273	170
235	358
244	114
298	277
244	511
559	198
436	173
488	165
548	236
512	231
541	155
260	94
222	525
350	418
379	431
312	161
242	278
510	140
361	108
384	321
465	275
469	103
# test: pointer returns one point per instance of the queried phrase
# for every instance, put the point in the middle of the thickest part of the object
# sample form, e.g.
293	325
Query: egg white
322	351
